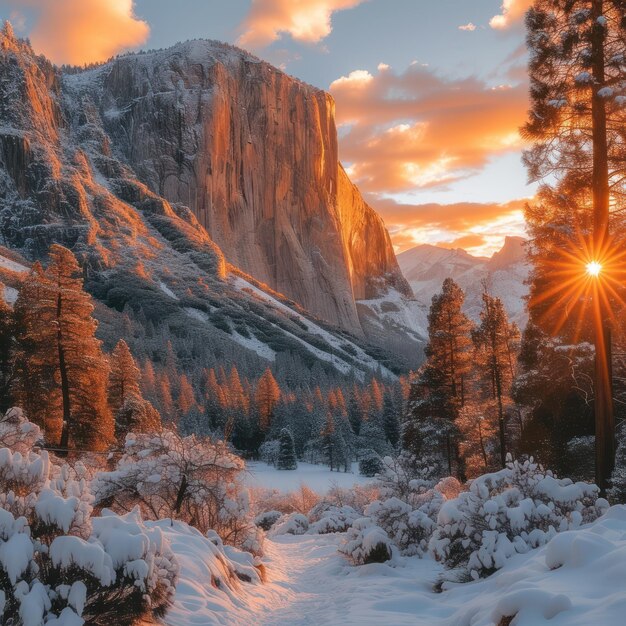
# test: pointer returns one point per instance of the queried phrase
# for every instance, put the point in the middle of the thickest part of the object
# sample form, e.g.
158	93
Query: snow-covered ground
317	477
12	265
9	293
577	579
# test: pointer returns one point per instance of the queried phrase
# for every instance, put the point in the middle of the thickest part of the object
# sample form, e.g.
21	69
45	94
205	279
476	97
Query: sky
429	94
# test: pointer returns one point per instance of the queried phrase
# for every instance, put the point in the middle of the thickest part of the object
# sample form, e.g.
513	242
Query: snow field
575	580
317	477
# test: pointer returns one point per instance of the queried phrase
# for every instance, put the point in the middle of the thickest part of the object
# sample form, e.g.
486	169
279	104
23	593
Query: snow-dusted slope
68	176
10	274
575	580
426	267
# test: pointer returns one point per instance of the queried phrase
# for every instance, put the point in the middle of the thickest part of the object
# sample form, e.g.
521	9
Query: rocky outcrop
144	165
253	153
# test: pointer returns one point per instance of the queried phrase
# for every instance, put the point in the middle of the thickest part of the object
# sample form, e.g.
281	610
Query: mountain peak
513	251
8	41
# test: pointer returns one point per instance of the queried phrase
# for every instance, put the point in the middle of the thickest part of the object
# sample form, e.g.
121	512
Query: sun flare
594	268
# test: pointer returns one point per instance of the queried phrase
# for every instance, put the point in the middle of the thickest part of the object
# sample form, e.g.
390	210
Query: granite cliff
197	168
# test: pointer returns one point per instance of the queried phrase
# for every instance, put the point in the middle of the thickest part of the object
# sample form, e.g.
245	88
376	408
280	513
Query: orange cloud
512	12
480	228
304	20
84	31
417	130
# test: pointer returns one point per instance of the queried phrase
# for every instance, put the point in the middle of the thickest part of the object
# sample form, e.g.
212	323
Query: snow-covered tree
510	511
58	562
370	463
192	479
391	421
17	433
7	334
286	459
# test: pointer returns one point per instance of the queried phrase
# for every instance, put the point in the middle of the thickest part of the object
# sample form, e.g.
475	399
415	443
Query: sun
593	268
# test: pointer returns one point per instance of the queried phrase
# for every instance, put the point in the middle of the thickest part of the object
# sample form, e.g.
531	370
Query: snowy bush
366	543
194	480
410	522
325	519
17	433
408	529
58	564
370	463
292	524
267	519
398	475
268	451
511	511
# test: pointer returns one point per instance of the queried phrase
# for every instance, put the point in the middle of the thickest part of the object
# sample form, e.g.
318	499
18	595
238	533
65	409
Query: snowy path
575	580
322	589
310	584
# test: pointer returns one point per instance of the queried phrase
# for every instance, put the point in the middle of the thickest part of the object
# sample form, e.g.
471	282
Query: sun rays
584	279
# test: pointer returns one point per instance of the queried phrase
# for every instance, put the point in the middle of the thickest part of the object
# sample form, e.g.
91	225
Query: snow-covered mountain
201	186
504	275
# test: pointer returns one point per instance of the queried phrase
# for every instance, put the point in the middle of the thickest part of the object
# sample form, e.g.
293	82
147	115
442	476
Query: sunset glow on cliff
418	126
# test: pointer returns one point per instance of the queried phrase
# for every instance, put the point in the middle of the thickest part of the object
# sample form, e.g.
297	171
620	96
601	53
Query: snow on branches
507	512
191	479
58	564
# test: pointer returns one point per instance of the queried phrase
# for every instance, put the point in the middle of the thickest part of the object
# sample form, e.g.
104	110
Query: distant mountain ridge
504	274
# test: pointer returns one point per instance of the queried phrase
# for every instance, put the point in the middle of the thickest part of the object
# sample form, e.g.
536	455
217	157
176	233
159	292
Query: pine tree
164	392
132	412
58	354
496	341
355	414
214	400
7	333
287	453
266	397
578	90
391	422
124	379
148	381
439	391
477	423
186	396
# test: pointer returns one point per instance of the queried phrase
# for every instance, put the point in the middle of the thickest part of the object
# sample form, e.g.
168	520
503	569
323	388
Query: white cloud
512	12
82	31
305	20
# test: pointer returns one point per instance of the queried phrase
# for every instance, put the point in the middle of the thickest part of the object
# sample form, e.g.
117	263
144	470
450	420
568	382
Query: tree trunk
603	392
482	443
180	496
65	386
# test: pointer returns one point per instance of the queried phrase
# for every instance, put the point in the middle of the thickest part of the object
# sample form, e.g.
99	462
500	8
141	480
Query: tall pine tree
439	391
58	354
496	342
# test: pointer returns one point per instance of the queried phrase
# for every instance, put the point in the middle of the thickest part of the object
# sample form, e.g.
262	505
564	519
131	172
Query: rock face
108	161
253	153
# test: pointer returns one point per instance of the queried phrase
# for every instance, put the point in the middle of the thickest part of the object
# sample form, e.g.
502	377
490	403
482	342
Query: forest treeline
55	368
